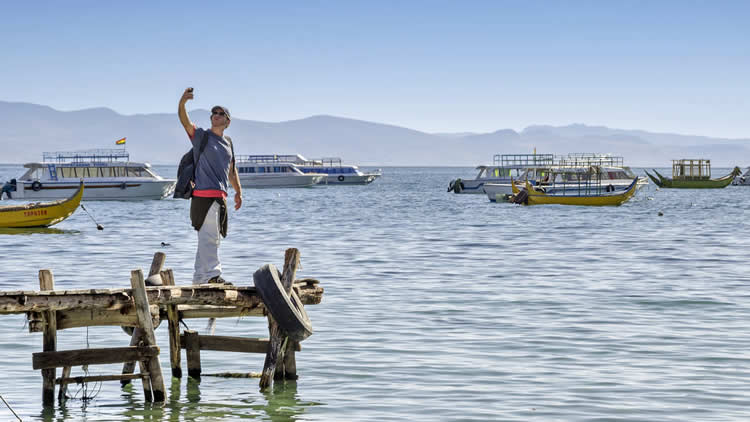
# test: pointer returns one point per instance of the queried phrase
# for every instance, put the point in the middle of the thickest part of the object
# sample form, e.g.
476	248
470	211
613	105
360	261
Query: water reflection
34	230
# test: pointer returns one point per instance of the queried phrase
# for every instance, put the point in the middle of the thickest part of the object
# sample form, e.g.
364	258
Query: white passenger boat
504	168
107	174
264	171
609	170
337	173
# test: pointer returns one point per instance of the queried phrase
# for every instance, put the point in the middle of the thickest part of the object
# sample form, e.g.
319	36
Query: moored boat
588	191
257	172
505	168
108	175
40	214
693	174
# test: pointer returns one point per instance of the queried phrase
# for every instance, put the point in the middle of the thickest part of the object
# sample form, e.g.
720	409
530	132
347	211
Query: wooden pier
144	307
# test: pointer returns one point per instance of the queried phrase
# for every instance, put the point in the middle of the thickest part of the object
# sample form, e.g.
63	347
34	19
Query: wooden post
174	329
278	343
49	342
149	338
61	395
129	367
193	346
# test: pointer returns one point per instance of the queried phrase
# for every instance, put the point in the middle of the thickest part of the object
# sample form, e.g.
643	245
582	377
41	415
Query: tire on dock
286	309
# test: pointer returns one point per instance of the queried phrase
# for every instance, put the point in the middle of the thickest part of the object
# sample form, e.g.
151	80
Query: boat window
82	172
133	171
261	169
65	172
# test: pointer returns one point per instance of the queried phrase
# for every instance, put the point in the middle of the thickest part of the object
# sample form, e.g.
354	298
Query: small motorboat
40	214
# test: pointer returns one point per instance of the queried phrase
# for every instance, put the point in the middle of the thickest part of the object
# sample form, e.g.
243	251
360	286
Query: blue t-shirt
212	169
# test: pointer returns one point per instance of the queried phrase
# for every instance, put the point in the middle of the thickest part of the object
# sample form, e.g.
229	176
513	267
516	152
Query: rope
11	409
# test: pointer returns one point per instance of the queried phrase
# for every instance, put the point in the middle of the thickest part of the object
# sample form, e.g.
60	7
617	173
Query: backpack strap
231	145
204	142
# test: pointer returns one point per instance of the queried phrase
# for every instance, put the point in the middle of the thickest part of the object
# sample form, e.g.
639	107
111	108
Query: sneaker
219	280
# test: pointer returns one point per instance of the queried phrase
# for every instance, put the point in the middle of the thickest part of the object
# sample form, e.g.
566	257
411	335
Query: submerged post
279	343
174	329
149	339
49	342
156	266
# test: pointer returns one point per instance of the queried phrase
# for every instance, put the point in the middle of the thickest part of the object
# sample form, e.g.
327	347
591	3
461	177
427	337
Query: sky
434	66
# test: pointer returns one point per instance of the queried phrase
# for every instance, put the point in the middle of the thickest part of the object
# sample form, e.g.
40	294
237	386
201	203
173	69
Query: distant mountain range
30	129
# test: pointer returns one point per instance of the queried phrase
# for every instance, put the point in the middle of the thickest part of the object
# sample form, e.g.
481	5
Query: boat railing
691	169
86	156
522	160
588	159
324	162
270	158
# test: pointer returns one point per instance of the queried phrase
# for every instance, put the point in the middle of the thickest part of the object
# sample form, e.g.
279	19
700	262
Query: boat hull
40	214
605	199
281	180
113	190
349	179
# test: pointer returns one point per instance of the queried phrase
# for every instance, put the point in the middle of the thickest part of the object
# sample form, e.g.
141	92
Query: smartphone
190	90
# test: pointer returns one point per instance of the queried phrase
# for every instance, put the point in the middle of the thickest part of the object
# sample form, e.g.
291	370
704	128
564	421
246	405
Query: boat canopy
691	169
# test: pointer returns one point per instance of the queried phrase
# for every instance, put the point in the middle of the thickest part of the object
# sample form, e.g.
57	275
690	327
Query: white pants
207	263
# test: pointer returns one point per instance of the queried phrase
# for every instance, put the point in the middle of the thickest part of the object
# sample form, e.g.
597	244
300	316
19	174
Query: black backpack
186	171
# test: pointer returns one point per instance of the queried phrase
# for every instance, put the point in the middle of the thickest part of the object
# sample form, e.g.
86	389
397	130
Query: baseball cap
222	108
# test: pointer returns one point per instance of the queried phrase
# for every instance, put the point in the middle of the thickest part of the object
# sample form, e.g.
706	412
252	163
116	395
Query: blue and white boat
335	171
265	171
505	167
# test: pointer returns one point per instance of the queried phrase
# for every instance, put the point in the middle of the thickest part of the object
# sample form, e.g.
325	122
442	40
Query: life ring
286	309
36	186
341	178
610	188
123	185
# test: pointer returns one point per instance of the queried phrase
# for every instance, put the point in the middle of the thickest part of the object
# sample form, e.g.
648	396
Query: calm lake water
436	307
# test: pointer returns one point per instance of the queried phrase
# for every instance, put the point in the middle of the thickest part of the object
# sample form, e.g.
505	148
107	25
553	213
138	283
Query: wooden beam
49	342
16	302
44	360
149	338
174	330
193	347
97	378
278	341
232	344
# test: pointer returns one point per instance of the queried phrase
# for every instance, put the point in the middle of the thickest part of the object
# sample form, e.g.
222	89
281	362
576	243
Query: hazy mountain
31	129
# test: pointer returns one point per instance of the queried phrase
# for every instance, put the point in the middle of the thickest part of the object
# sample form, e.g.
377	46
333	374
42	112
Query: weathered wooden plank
232	344
97	378
278	341
149	338
136	333
75	318
174	330
117	299
62	393
58	359
193	347
208	311
49	342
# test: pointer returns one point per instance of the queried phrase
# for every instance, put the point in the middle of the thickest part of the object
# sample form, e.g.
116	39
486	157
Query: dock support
174	329
193	346
129	367
149	338
49	342
280	347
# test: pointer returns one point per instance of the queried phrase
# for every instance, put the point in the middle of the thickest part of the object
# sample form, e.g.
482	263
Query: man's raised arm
184	119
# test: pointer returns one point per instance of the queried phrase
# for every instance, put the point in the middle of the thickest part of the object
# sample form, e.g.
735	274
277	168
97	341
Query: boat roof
88	164
86	156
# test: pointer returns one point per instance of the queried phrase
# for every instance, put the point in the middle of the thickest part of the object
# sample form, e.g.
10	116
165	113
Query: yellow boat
40	214
615	198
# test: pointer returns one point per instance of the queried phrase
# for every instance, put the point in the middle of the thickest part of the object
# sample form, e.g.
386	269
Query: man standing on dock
214	170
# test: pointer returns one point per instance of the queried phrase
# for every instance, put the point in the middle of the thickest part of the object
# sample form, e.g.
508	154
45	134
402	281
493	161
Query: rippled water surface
436	307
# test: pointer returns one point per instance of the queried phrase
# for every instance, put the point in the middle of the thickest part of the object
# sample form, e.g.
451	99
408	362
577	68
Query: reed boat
693	174
40	214
537	197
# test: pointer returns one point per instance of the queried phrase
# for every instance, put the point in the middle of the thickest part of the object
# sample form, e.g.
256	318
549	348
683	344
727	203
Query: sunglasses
220	113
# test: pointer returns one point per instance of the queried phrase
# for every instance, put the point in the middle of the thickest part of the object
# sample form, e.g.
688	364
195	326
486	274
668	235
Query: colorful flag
120	141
